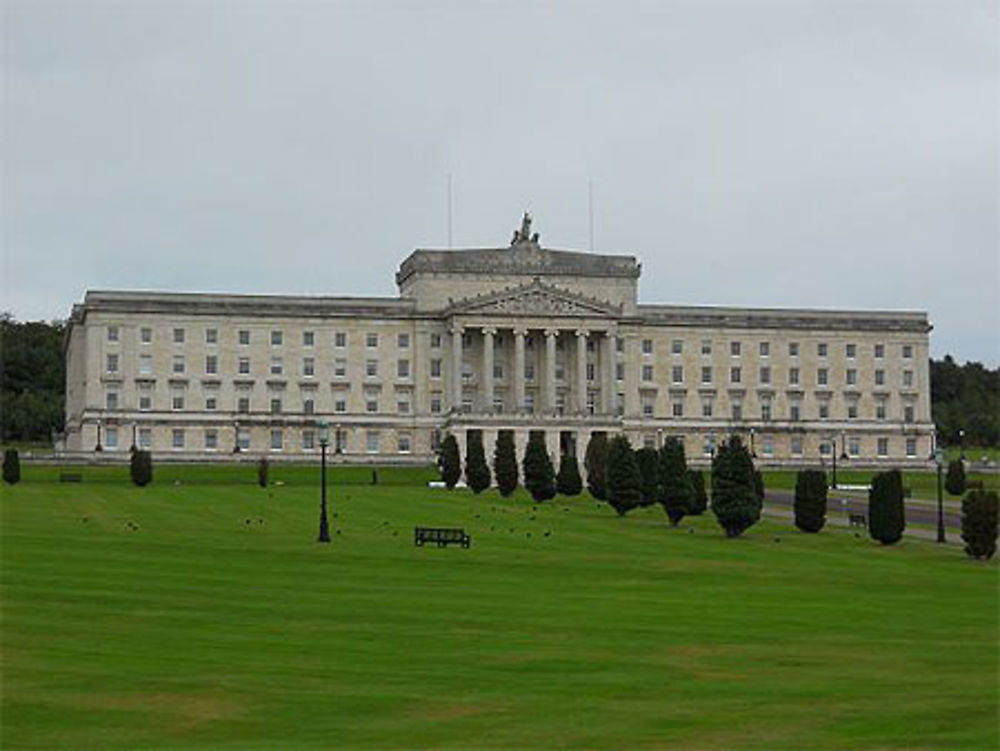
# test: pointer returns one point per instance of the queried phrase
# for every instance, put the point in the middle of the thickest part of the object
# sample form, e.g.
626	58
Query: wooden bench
857	520
441	536
70	477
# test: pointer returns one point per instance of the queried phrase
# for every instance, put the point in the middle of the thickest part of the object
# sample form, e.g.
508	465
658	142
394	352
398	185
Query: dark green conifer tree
623	479
886	516
699	497
595	461
262	468
568	480
810	500
451	462
11	467
954	481
141	468
734	495
539	477
676	494
648	460
979	523
477	471
505	463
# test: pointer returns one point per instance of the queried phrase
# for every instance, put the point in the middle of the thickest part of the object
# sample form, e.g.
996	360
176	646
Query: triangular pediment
536	299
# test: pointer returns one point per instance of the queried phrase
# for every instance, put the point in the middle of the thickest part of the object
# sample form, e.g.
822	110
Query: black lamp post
752	452
939	460
324	527
833	452
961	444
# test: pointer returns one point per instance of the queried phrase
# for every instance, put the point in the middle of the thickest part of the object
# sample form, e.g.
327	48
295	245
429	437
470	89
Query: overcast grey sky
805	153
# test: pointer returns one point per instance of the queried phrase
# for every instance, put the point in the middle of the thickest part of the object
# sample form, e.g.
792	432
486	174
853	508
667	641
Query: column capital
551	332
582	333
489	330
521	331
456	329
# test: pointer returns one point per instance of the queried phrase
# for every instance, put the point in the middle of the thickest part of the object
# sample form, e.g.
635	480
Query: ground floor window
372	442
145	438
111	438
177	438
308	440
796	446
854	447
243	440
883	447
768	445
403	443
211	440
911	447
276	440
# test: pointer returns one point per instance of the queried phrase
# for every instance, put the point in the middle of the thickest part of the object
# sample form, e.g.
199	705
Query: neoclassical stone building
519	337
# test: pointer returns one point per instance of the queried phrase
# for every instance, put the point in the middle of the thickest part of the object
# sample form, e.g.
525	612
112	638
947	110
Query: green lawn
159	618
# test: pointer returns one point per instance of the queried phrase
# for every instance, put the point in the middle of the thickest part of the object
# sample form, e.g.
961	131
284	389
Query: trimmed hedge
979	523
886	516
810	500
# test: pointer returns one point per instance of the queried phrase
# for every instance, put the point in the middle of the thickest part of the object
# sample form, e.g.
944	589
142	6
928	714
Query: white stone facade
520	338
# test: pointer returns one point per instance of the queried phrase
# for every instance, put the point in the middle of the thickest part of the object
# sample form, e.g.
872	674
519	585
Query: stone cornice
784	318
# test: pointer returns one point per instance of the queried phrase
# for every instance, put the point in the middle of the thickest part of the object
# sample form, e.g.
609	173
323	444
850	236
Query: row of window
764	349
795	413
765	373
277	337
308	440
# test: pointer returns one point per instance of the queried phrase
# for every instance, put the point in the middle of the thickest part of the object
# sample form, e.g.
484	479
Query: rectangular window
882	447
908	413
211	364
308	367
854	447
619	371
178	364
402	368
403	443
146	335
145	400
403	404
211	440
620	345
560	371
706	374
880	409
647	346
852	410
677	346
435	341
822	376
706	346
178	336
907	351
793	376
339	401
308	406
497	371
911	447
277	338
243	405
765	409
879	377
145	438
371	368
277	440
111	400
112	333
824	410
826	448
796	446
112	363
308	338
371	401
737	411
436	368
852	377
793	349
907	378
850	350
211	402
821	349
244	366
467	340
340	339
706	408
277	366
243	440
529	371
677	374
403	341
795	411
648	404
435	403
340	368
647	373
244	337
735	375
765	375
177	438
765	349
372	441
275	406
735	348
211	336
308	440
591	371
768	445
371	340
677	409
111	438
879	351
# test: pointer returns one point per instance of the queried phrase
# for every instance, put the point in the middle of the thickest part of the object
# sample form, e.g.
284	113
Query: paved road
854	503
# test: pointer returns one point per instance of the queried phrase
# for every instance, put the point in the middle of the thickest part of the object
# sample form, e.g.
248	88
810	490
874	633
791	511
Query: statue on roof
524	235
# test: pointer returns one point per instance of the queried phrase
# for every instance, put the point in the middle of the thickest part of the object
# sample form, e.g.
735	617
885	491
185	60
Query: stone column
609	385
519	370
633	369
581	370
487	378
456	368
550	369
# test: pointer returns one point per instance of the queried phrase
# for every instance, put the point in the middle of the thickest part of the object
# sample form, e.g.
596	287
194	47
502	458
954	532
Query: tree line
33	381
